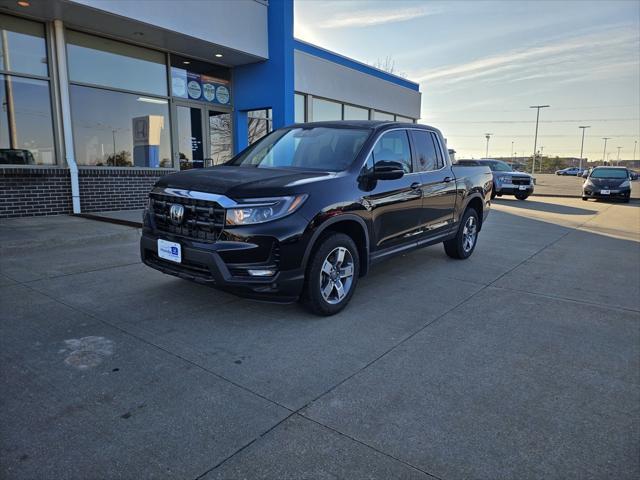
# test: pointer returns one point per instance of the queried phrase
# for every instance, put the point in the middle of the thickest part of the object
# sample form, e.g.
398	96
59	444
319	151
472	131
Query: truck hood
239	182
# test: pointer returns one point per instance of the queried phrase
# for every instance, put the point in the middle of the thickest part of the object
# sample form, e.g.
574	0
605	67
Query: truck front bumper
203	263
509	189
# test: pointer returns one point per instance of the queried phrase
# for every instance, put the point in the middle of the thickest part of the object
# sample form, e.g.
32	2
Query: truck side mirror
388	170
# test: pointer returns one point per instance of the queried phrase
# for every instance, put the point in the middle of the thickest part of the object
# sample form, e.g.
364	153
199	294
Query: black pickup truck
305	211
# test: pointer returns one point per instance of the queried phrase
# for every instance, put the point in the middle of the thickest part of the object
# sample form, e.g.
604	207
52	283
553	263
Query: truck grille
203	220
520	180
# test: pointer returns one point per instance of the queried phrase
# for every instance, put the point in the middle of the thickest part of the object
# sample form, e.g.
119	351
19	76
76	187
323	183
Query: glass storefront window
355	113
377	115
400	118
100	61
300	108
26	124
190	139
202	81
260	123
220	137
22	46
119	129
325	110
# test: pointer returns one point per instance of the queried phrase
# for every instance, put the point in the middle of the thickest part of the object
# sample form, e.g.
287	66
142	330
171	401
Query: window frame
51	79
411	153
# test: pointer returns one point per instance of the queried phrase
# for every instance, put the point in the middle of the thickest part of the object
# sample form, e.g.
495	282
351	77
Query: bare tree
388	65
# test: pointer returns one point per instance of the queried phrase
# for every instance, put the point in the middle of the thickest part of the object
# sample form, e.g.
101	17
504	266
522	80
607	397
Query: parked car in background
16	156
633	174
573	171
305	211
506	181
608	183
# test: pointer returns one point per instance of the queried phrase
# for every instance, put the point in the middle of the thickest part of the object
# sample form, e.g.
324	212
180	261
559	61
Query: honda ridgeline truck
304	212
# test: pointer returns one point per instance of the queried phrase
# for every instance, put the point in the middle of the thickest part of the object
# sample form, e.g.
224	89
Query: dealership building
100	98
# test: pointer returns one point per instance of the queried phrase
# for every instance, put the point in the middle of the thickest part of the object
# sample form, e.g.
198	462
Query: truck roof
371	124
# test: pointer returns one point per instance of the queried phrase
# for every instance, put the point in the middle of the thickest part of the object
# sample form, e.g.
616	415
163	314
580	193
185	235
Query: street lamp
618	161
635	144
604	152
487	136
582	144
535	140
512	159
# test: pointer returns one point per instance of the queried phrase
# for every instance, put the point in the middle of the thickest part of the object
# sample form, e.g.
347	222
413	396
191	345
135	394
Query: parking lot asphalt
521	362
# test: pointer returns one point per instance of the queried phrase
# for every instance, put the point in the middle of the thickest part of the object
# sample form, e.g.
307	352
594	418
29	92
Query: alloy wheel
469	234
336	276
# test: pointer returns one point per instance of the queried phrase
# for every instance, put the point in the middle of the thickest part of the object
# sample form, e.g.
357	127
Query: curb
117	221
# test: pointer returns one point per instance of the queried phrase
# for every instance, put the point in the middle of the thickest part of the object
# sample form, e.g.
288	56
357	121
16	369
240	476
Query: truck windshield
314	148
609	173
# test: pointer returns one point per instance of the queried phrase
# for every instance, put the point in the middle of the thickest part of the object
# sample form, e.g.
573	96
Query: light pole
635	144
604	152
535	140
487	136
618	160
582	144
512	159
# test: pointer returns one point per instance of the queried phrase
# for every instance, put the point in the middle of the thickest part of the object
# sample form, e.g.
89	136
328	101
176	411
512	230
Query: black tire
328	247
626	200
522	196
456	247
585	198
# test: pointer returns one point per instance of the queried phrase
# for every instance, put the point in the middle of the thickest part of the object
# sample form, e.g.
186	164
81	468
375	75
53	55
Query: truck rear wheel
332	275
464	243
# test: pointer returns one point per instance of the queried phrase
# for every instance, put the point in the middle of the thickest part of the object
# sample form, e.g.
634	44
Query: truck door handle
416	186
447	179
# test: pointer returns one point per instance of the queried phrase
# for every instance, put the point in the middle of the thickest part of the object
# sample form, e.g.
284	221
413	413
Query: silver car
506	181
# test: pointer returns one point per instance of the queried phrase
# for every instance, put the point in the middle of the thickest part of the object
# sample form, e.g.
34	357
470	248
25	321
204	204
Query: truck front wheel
332	274
464	243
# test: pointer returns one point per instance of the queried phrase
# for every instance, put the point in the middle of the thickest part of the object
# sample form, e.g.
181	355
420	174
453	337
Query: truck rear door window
427	158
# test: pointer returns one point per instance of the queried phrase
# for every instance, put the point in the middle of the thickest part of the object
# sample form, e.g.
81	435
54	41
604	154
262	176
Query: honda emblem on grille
176	213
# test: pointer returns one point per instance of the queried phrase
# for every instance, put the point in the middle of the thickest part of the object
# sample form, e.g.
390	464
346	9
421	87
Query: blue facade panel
267	84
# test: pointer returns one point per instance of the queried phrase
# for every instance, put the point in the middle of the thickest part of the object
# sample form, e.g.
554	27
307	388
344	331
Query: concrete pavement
521	362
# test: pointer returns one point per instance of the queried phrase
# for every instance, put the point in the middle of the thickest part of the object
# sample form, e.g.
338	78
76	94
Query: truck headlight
259	210
625	184
504	179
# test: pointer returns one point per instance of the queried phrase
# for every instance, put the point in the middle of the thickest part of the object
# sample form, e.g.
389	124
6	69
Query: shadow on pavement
544	207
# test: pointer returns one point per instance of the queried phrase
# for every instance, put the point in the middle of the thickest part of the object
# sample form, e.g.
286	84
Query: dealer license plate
169	251
605	192
522	187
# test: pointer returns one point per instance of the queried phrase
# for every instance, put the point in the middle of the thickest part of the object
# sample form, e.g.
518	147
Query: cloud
368	18
524	58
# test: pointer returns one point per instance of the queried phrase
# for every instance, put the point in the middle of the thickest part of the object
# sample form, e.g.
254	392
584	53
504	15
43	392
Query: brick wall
116	189
34	191
47	191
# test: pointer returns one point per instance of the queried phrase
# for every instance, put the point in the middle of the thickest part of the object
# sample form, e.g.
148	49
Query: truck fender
364	262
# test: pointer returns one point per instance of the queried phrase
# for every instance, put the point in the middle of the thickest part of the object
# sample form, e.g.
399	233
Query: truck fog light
262	273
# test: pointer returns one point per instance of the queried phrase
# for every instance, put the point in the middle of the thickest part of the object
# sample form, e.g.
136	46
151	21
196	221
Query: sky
481	64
